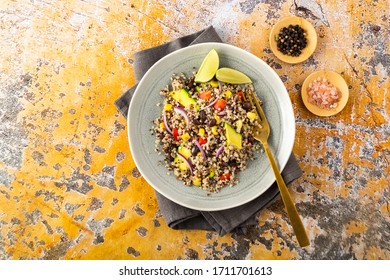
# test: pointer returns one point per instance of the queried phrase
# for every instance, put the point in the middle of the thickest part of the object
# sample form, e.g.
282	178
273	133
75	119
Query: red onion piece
211	104
222	113
220	84
166	124
189	164
220	151
200	149
182	112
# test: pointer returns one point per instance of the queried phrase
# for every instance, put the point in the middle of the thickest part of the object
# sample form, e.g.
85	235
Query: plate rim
289	113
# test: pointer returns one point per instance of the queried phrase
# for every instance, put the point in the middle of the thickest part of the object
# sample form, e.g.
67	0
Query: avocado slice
232	136
183	97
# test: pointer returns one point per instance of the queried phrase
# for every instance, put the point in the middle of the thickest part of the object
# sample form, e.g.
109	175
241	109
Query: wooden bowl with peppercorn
293	39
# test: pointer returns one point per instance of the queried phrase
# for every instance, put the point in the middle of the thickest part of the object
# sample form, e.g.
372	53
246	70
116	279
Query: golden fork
261	133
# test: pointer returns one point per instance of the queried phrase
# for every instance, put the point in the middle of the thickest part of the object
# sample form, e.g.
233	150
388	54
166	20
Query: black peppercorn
291	40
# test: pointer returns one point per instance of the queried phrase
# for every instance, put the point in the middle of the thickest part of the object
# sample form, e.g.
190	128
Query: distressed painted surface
69	188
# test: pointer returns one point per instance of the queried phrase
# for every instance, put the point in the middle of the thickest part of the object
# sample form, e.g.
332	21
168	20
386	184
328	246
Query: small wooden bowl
337	81
311	36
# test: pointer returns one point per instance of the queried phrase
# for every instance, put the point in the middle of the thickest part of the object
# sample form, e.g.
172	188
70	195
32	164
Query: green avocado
183	97
232	136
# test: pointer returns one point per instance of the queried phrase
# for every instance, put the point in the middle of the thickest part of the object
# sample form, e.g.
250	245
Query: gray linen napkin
175	215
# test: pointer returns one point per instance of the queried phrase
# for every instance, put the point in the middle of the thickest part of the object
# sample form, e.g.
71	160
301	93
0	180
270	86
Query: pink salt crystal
323	94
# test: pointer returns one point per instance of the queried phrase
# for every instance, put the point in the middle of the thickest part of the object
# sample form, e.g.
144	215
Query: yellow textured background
69	188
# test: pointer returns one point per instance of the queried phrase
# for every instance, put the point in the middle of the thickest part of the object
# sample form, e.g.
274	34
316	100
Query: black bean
247	106
212	122
233	163
196	121
195	150
202	116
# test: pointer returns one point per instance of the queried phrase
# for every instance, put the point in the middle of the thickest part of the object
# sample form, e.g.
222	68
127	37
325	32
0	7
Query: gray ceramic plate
258	176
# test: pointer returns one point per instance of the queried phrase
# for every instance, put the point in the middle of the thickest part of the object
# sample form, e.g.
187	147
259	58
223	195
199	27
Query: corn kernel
185	137
251	116
183	166
217	118
184	151
196	181
162	126
168	107
214	83
214	130
228	94
238	125
201	132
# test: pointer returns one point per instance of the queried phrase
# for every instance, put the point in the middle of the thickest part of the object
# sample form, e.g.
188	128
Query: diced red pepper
220	105
175	133
202	140
225	177
206	95
240	94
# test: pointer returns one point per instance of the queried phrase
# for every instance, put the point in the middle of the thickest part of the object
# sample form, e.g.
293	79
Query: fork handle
292	212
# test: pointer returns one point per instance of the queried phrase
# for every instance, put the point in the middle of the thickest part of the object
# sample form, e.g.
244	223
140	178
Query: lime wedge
208	67
231	76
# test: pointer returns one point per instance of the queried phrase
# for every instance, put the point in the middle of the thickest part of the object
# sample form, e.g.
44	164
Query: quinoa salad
205	131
